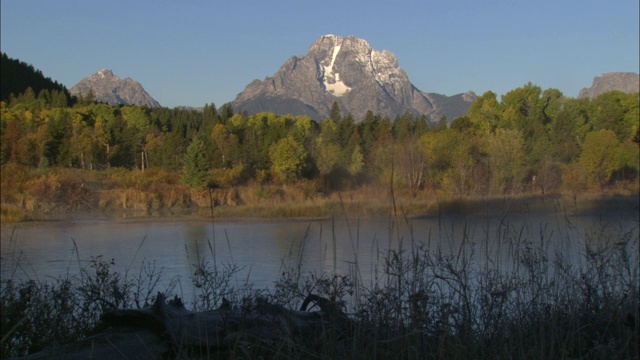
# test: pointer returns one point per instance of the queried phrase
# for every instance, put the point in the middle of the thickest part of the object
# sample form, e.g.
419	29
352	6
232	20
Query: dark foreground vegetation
424	304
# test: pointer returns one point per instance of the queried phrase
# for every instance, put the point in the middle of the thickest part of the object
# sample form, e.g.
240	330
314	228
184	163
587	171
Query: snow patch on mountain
331	79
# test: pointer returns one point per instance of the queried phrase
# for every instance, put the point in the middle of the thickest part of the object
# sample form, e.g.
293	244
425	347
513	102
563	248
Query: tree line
17	76
528	140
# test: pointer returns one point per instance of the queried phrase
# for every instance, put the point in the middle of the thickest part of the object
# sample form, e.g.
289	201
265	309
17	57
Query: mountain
16	76
109	88
627	82
349	71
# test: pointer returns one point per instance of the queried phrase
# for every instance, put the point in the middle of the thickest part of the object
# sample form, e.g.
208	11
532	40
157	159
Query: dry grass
12	214
33	191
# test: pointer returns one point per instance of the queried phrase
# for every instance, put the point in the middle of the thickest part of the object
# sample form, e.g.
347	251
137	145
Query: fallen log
168	330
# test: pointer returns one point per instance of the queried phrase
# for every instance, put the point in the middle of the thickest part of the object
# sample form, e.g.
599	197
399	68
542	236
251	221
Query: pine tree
336	113
90	96
195	164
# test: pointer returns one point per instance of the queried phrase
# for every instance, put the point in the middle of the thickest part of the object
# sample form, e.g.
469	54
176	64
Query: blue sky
196	52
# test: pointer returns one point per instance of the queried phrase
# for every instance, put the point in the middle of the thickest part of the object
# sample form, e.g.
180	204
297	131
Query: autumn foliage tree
599	155
288	159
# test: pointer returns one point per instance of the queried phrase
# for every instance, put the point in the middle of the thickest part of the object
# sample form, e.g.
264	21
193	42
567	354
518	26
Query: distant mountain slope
349	71
16	76
627	82
109	88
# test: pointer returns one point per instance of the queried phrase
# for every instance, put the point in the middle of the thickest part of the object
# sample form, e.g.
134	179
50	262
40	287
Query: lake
261	247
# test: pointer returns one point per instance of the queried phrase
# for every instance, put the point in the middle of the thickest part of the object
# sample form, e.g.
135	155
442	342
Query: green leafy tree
60	128
463	124
409	163
564	137
523	109
41	137
520	107
599	155
485	112
467	171
302	129
195	165
632	115
329	153
437	149
288	159
139	123
357	161
255	150
553	102
226	144
610	111
81	143
506	158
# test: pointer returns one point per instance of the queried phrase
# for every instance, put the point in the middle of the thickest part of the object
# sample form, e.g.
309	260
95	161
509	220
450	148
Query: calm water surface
260	248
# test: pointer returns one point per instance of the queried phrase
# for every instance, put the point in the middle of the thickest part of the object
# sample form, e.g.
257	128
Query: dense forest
17	76
529	141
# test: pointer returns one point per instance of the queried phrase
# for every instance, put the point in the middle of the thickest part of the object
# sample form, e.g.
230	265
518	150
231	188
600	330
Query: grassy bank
425	304
31	194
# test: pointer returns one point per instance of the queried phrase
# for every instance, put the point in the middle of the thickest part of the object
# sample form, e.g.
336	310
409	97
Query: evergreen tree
226	112
90	96
210	114
336	113
195	164
442	124
16	76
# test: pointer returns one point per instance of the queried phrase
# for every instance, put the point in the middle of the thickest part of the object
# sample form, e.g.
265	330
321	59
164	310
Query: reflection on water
260	248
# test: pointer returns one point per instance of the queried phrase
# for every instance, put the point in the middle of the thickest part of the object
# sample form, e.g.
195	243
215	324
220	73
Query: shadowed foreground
424	304
167	329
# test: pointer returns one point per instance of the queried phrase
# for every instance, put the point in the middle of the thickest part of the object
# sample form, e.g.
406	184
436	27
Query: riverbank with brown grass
32	195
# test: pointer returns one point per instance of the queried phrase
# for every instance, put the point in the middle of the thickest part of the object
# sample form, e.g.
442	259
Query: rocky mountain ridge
627	82
109	88
348	71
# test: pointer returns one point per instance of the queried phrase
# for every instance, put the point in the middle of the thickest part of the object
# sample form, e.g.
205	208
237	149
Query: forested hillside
530	140
18	76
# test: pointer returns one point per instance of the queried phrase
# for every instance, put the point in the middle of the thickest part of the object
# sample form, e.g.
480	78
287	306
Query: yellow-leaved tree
288	159
599	155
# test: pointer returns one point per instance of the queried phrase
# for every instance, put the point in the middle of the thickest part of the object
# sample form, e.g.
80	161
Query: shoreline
581	204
